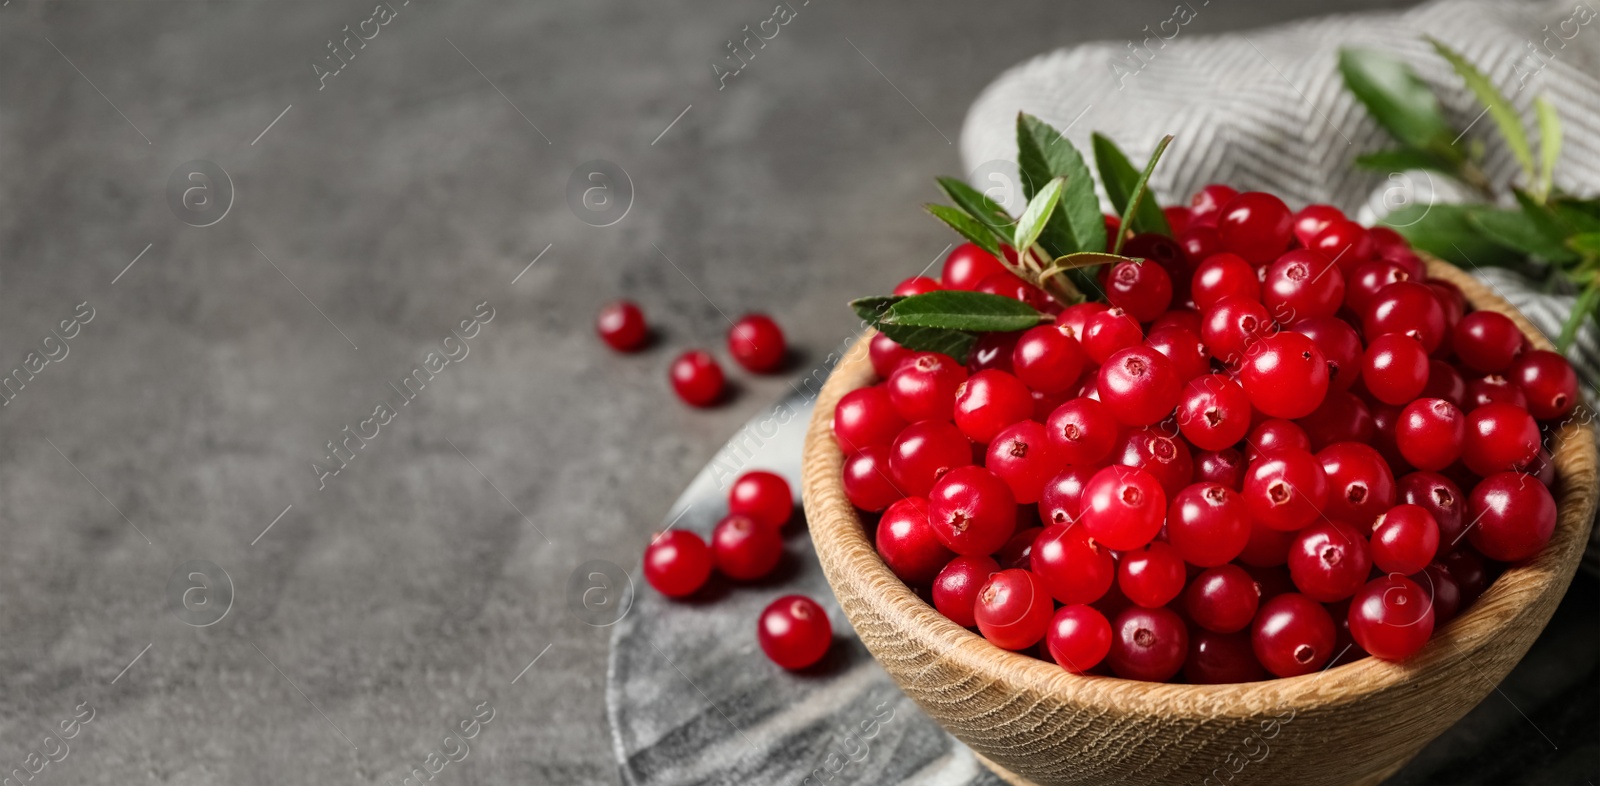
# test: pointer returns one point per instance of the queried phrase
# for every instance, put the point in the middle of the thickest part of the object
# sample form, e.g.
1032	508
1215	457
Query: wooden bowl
1034	722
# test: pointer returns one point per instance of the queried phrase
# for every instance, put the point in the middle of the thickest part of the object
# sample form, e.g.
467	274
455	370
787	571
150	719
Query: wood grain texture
1350	725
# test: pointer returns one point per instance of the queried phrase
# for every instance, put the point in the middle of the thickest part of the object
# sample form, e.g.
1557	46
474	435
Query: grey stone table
168	463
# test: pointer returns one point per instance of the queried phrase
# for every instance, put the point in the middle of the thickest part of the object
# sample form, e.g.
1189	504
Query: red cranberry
1200	242
1500	437
1123	507
1049	359
1493	389
1214	412
1312	219
794	632
864	417
1286	489
1549	383
992	351
1486	341
867	482
1148	644
1139	385
1268	547
1360	483
1142	290
924	387
1073	567
1385	239
1105	332
955	590
972	510
745	550
967	265
1207	524
621	325
1445	382
1158	451
1083	431
764	497
1367	279
1060	501
1255	225
1303	284
917	285
1340	347
1452	301
1345	242
1183	347
1185	319
677	562
886	355
1013	610
1470	571
907	543
1076	317
1018	551
1025	458
1151	576
1512	517
1233	326
1408	308
1222	599
1441	498
924	452
1431	433
1395	369
1221	658
1224	275
757	343
1343	417
1273	435
1206	204
1286	377
1404	540
1329	560
697	378
1006	284
1391	617
1443	591
1224	467
989	401
1078	638
1292	635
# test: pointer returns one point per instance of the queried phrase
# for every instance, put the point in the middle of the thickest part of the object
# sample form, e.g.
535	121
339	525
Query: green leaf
1083	259
955	343
1505	116
1121	181
1041	208
1586	244
1405	159
979	206
969	227
1136	202
1515	229
1582	215
1549	142
1588	300
1447	231
871	309
959	310
1397	98
1043	154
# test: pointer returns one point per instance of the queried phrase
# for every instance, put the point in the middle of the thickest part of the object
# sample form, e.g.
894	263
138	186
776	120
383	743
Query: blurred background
351	212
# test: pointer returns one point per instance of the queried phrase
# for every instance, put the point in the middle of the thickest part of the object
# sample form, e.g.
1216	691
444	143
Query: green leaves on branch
1043	154
1397	98
947	321
1041	208
1125	186
1498	107
968	227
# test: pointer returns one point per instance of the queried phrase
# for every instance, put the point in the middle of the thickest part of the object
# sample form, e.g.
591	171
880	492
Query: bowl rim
841	539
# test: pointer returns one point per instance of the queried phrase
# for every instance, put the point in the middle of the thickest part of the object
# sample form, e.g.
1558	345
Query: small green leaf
1585	308
979	206
1040	210
959	310
1549	142
1083	259
1043	153
1582	215
1397	98
1121	181
1586	244
1447	231
1505	116
1405	159
871	309
1135	213
969	227
955	343
1515	229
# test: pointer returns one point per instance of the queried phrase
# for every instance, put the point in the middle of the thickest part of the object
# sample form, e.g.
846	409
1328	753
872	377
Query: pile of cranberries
755	342
745	546
1278	445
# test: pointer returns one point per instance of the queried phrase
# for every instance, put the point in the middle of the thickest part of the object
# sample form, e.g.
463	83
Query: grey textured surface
377	614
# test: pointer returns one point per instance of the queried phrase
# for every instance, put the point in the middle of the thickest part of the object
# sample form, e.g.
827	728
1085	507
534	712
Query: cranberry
1123	507
1072	566
1076	317
1431	433
1486	341
745	550
967	265
1144	291
1206	204
1049	359
1452	301
677	562
1500	437
1312	219
1292	635
1385	239
1493	389
992	351
924	452
1404	540
1060	501
1286	376
1105	332
1013	610
1441	498
1360	483
1148	644
1275	434
1184	348
864	417
1340	347
1078	638
621	325
1185	319
1168	254
867	483
1445	382
917	285
1233	326
1018	551
989	401
1470	571
1408	308
1286	489
794	632
924	387
955	590
1303	284
1512	517
972	511
1329	560
1395	369
1025	458
1083	431
1385	421
764	497
1200	242
1221	658
1207	524
1345	242
757	343
907	543
1416	269
1224	275
1549	383
1139	385
1222	599
1343	417
697	378
1158	451
1046	403
1391	617
1214	412
1006	284
1151	576
1367	278
886	355
1444	592
1225	467
1255	225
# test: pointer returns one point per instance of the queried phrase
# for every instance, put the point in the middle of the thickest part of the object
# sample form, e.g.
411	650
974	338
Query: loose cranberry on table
763	496
697	378
757	343
677	562
621	325
794	632
745	550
